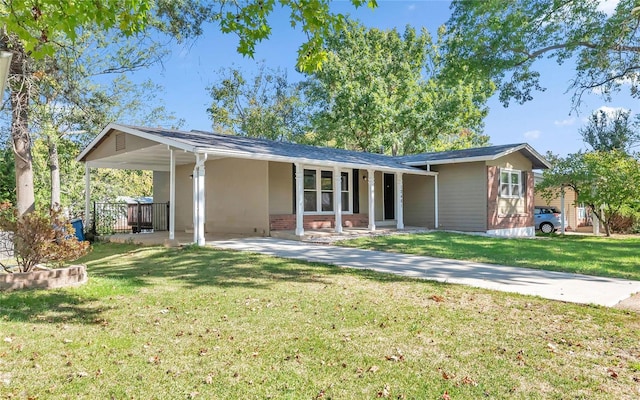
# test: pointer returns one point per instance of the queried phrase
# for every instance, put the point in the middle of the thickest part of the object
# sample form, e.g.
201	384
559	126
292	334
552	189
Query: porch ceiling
153	158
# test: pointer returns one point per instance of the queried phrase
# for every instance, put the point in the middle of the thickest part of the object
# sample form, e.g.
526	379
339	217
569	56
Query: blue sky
548	122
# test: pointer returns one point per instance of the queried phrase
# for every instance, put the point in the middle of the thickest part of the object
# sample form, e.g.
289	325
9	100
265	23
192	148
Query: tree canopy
39	24
607	181
265	105
503	40
385	89
613	130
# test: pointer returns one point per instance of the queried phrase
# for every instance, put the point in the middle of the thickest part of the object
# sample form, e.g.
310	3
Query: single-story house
235	184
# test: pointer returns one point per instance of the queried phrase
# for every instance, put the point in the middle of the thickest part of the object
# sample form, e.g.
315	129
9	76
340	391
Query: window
510	183
344	191
319	193
310	190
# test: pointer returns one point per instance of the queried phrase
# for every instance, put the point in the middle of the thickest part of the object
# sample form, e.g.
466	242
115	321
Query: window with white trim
510	183
319	194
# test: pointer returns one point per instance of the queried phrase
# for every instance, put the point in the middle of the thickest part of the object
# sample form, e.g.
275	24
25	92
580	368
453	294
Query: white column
199	200
435	197
371	180
87	196
562	216
299	200
201	203
399	202
194	179
172	194
337	198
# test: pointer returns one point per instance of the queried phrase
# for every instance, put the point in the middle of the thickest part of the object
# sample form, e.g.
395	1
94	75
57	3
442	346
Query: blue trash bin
79	228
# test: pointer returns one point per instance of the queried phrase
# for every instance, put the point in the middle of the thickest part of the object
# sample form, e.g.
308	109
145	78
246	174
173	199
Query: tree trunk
25	197
20	96
54	168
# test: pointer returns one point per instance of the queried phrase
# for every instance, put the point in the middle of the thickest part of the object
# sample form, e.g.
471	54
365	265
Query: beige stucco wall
236	197
462	196
108	146
184	198
280	188
161	192
508	206
418	197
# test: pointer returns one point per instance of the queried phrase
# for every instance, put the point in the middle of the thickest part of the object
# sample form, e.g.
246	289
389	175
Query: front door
389	197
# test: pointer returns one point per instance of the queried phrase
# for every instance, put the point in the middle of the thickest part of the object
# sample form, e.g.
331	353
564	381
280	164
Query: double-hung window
510	183
319	191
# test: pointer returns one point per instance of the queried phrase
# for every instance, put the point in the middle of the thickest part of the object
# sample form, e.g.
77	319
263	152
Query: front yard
203	323
619	257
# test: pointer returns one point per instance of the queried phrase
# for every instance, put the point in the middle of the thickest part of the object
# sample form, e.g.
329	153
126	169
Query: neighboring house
235	184
574	212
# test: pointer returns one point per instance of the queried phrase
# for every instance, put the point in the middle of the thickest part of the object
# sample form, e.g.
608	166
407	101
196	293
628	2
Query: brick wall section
49	279
496	221
287	222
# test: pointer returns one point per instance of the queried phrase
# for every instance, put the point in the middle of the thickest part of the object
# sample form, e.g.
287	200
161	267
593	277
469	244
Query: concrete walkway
568	287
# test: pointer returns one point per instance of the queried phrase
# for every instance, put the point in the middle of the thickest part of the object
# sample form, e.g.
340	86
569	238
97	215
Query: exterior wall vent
120	141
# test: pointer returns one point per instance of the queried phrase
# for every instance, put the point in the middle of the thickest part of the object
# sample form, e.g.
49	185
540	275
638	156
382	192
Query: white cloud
610	111
608	6
411	7
565	122
532	135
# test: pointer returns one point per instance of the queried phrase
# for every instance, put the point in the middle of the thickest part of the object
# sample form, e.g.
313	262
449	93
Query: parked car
547	219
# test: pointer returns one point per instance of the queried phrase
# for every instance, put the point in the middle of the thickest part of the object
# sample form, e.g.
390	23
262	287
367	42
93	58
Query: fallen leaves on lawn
397	356
446	375
612	373
385	392
437	298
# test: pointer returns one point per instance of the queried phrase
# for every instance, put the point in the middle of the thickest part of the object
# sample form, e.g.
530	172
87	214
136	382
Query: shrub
40	238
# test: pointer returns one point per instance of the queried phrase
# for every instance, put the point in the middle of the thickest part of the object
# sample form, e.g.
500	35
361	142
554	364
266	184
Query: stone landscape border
73	275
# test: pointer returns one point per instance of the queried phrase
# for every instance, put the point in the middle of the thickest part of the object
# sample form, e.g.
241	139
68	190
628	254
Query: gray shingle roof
477	154
207	140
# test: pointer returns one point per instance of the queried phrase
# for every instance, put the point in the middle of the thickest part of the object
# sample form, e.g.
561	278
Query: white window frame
510	173
318	190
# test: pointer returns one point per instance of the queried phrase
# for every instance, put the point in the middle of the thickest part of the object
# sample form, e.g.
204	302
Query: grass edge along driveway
599	256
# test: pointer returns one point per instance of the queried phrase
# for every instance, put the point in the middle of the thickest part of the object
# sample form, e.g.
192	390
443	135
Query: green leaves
502	40
607	180
389	89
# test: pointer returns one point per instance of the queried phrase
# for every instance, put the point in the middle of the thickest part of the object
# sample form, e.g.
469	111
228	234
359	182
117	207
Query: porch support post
562	215
87	196
172	194
371	180
299	200
435	197
337	196
399	202
199	200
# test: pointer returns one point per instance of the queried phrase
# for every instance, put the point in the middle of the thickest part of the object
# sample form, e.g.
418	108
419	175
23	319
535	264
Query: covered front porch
219	185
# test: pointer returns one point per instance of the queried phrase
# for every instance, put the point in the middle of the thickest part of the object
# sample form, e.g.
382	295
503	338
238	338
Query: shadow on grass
50	306
116	269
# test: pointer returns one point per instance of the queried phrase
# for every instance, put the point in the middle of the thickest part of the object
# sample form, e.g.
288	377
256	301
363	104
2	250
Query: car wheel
546	227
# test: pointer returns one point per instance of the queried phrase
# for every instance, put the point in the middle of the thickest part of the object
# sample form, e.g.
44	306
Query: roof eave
125	129
311	161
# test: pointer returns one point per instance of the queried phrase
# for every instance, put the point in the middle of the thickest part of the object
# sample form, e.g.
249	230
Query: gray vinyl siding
418	198
462	197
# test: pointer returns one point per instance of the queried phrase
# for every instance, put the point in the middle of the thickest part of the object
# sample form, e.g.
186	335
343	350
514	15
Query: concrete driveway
568	287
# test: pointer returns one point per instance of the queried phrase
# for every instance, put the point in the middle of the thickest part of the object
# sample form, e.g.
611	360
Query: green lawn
613	257
156	323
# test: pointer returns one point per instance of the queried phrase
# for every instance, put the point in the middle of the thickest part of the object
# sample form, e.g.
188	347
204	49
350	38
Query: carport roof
252	148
